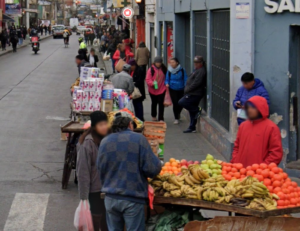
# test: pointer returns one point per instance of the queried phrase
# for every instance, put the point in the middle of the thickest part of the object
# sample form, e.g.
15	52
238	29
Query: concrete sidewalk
178	145
26	42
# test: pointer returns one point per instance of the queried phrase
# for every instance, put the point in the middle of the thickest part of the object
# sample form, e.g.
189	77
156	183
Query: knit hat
158	59
132	62
98	116
198	59
126	67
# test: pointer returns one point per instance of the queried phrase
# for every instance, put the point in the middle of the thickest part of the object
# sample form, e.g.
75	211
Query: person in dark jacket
4	37
112	47
20	36
14	38
125	161
81	62
251	87
93	58
89	185
194	91
138	77
176	78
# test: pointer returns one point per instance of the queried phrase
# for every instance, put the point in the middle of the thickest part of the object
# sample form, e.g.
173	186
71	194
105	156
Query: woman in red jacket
258	139
121	53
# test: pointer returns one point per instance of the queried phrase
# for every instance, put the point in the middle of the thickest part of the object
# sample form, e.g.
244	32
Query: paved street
34	102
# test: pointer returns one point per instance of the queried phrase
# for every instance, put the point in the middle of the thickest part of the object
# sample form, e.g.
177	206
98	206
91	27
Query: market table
222	207
74	130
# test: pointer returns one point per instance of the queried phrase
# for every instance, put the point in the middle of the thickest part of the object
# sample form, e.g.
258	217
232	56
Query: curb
25	45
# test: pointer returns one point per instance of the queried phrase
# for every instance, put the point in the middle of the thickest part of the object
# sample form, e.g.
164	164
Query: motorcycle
35	44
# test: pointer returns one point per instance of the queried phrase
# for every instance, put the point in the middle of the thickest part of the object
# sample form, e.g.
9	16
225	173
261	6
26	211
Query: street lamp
138	1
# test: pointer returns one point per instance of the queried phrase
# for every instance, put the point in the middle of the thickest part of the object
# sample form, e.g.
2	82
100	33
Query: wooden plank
73	127
222	207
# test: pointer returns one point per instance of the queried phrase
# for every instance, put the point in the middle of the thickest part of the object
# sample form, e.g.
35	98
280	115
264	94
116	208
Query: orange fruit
167	164
172	160
174	169
174	164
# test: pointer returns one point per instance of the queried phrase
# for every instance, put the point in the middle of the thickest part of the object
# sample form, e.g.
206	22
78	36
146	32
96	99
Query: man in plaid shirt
125	161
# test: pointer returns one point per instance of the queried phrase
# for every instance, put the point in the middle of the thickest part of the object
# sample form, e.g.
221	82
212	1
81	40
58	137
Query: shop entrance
294	68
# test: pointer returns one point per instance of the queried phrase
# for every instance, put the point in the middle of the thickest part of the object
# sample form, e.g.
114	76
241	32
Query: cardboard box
156	130
154	145
106	105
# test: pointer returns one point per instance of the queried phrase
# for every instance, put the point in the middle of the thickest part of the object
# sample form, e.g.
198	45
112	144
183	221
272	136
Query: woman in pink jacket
155	80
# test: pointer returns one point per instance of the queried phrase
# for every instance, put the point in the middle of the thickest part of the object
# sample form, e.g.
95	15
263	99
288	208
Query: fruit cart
169	201
74	130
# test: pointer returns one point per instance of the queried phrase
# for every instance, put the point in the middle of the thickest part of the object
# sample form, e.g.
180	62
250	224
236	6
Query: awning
7	18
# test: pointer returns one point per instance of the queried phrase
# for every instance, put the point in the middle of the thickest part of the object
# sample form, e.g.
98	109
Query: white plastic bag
83	217
96	42
106	56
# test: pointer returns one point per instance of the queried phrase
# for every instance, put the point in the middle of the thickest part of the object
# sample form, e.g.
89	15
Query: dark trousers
113	62
98	211
191	103
14	46
3	44
144	68
138	109
158	100
176	96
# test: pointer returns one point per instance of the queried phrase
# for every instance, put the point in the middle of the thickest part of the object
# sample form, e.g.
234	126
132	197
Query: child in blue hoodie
176	78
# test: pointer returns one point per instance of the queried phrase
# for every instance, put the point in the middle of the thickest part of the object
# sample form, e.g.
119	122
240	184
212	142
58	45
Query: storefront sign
128	12
44	3
170	47
12	8
242	10
282	5
30	10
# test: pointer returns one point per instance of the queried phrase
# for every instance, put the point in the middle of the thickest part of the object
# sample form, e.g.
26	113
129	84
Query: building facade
234	37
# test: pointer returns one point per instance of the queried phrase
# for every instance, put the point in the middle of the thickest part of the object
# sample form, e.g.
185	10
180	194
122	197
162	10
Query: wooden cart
168	201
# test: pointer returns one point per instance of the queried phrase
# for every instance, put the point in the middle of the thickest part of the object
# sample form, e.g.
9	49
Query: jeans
191	103
120	213
138	109
158	100
176	96
113	63
20	41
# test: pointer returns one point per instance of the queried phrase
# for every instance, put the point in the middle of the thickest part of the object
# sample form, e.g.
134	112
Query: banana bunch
167	194
197	172
231	190
157	183
174	180
259	190
210	195
262	204
249	180
224	200
169	187
176	193
188	192
218	181
164	177
190	180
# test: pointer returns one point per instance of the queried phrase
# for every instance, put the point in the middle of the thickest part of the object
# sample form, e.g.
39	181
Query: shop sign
242	10
13	8
282	5
44	3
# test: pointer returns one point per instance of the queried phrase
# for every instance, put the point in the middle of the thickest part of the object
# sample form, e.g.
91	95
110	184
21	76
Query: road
34	99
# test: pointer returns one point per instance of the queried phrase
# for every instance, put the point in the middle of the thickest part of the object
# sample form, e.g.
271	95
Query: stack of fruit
211	165
171	167
195	183
233	171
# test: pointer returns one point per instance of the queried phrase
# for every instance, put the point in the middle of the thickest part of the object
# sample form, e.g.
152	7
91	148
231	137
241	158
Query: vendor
123	80
88	178
258	139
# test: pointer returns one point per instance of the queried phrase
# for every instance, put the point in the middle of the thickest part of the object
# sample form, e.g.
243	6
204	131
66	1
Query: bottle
155	84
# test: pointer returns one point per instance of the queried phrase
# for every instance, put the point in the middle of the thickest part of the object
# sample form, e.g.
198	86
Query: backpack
65	34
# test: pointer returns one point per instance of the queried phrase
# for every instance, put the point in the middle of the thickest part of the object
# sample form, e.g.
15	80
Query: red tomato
275	170
233	178
248	168
228	169
281	203
276	183
280	170
243	171
286	191
293	201
277	177
259	171
281	195
294	184
231	173
243	176
276	190
272	165
233	170
271	174
228	177
291	188
270	188
288	180
265	173
298	188
284	175
237	175
260	178
254	167
263	166
267	182
224	172
250	173
287	202
239	166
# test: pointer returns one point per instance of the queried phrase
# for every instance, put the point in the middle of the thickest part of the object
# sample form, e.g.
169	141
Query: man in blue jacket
125	161
251	87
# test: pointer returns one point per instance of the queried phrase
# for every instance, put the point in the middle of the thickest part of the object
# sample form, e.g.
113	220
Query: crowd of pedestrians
13	36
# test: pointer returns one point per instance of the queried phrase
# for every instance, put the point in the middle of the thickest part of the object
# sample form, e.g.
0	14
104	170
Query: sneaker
176	122
190	131
154	119
199	113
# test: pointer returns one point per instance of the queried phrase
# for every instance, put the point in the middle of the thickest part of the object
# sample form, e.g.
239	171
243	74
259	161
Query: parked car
58	31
